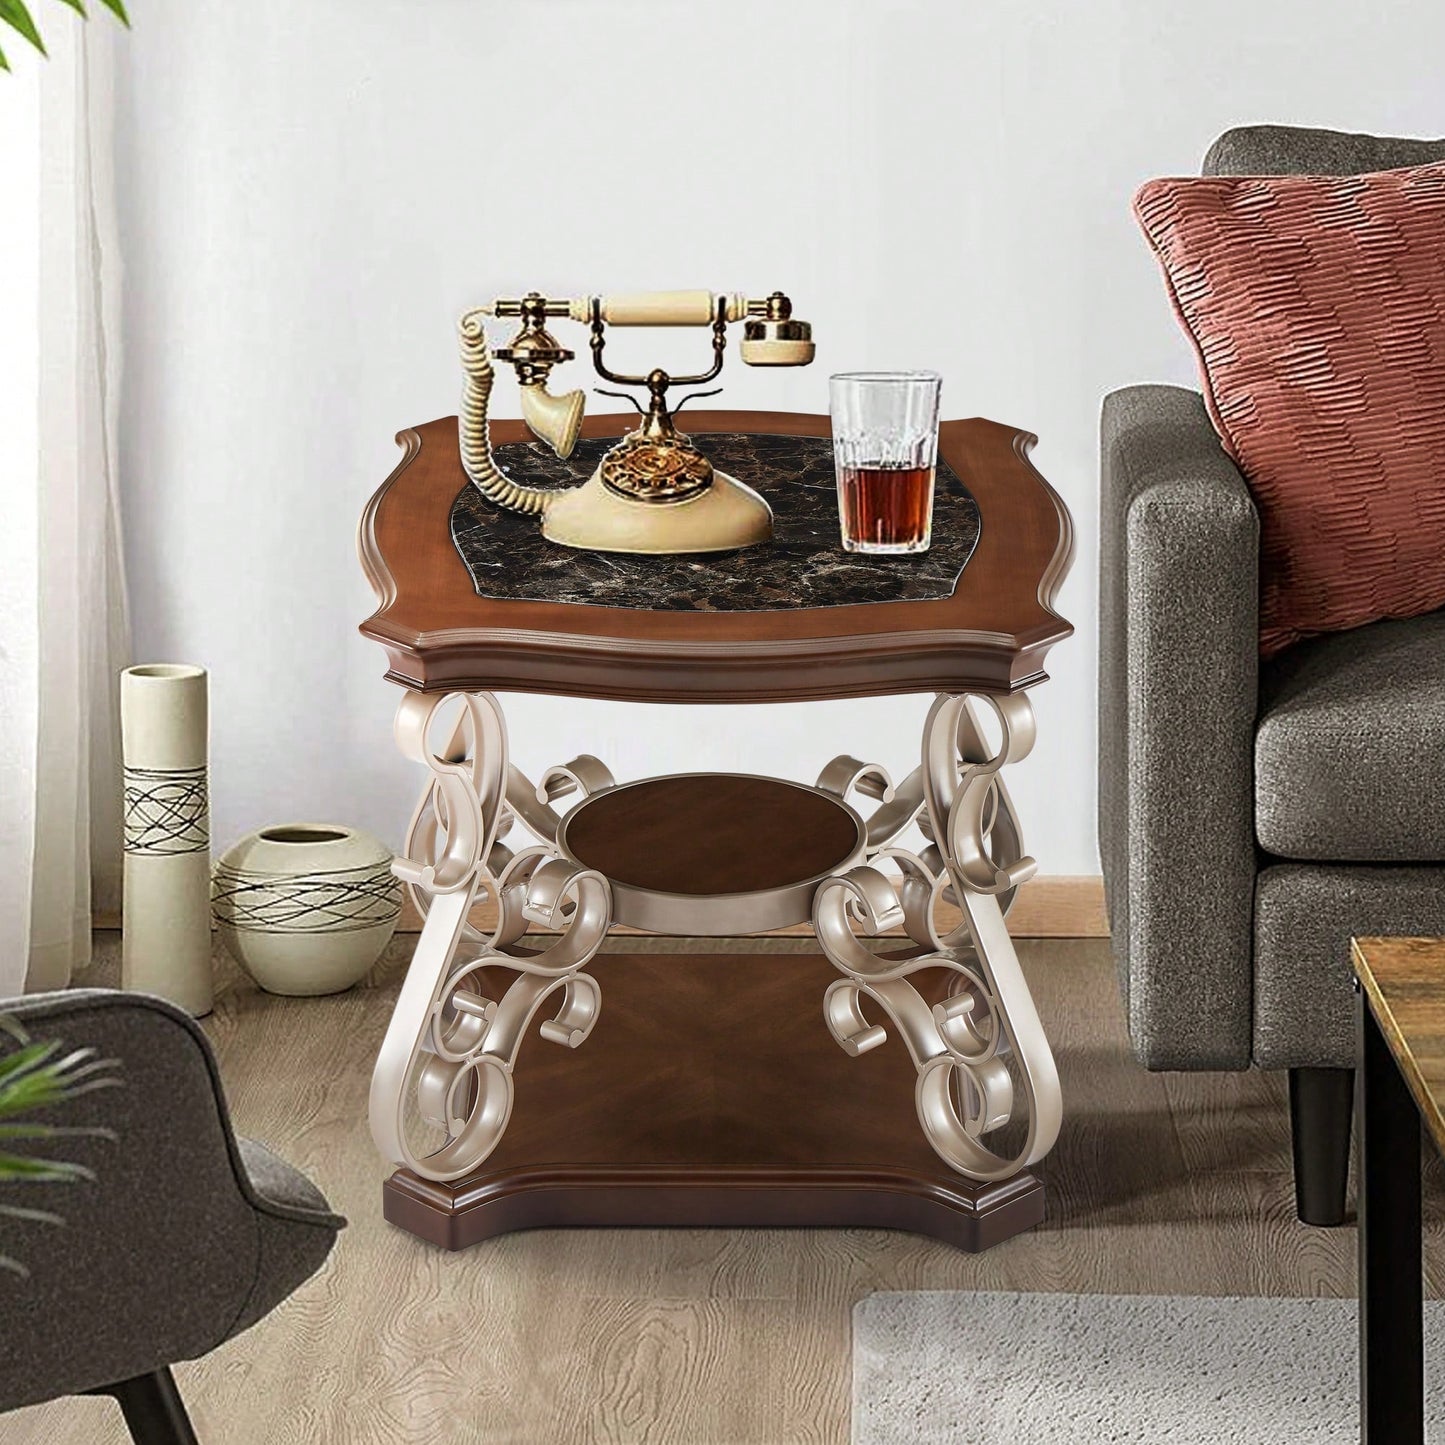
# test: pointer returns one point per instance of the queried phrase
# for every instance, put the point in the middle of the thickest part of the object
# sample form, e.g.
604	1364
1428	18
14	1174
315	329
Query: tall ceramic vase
164	723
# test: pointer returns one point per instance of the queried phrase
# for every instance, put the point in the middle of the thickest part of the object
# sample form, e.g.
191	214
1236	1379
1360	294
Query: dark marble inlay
803	566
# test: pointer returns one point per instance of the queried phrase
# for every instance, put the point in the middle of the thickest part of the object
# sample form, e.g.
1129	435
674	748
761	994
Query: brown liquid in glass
885	506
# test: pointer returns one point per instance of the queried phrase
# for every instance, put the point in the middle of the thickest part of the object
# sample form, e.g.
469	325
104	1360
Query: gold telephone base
593	518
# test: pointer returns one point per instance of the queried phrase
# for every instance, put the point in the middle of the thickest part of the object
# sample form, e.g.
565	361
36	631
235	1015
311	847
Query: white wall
313	191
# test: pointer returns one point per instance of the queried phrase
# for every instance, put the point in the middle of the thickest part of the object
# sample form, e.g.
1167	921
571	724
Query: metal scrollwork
981	1053
450	1048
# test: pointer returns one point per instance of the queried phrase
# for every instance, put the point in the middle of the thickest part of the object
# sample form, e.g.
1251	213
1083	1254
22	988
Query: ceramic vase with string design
165	734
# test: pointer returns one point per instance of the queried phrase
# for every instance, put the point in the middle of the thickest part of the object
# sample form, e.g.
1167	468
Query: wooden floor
1159	1184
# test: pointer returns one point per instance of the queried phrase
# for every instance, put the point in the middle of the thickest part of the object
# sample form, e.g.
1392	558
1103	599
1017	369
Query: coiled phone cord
476	446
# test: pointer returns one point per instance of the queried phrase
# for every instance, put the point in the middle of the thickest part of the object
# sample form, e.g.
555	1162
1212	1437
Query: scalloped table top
789	620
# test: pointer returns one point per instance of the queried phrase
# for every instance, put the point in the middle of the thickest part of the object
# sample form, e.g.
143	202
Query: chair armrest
181	1081
159	1255
1178	694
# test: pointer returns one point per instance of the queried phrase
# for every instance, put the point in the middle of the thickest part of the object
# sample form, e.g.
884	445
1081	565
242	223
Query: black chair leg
154	1412
1321	1105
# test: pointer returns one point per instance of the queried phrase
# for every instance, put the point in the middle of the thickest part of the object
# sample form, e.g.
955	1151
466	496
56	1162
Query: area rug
983	1369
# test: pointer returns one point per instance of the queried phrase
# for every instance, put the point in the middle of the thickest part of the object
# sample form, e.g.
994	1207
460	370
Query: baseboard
1061	906
1050	907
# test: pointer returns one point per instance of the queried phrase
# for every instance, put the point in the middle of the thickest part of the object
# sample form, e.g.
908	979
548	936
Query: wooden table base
710	1094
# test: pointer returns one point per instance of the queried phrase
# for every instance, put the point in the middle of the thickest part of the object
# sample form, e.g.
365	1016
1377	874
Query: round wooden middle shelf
713	854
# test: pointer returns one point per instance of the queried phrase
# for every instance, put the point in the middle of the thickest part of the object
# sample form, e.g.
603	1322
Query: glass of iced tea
885	445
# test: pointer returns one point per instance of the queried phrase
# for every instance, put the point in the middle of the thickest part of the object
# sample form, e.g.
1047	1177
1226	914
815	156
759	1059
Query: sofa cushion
1350	748
1305	915
1291	150
1317	307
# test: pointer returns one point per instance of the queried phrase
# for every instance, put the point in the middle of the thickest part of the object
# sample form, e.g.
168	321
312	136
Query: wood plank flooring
1160	1184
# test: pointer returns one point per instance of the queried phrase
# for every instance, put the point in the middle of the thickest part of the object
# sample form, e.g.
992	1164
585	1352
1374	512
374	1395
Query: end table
1401	1085
718	1089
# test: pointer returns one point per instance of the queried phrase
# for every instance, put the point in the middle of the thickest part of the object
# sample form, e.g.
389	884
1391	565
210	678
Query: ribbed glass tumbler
885	448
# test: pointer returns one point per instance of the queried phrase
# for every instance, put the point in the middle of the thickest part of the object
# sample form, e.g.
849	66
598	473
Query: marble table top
803	566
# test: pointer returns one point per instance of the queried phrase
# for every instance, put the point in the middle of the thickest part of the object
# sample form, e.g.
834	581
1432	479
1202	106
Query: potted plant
15	14
34	1076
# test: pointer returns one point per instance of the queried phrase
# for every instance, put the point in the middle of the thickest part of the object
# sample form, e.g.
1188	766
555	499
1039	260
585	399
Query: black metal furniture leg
1321	1104
1392	1363
154	1412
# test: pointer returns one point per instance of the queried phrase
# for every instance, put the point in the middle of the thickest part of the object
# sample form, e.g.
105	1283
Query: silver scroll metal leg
982	1057
445	1067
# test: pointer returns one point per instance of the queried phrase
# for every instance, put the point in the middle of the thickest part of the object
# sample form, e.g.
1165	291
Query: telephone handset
654	491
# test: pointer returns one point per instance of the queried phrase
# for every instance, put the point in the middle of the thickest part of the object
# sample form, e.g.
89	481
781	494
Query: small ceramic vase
306	908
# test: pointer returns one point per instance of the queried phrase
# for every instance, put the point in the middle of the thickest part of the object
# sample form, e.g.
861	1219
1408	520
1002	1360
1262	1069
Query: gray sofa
187	1236
1253	816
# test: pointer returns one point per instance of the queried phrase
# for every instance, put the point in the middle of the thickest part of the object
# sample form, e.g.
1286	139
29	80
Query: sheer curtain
63	627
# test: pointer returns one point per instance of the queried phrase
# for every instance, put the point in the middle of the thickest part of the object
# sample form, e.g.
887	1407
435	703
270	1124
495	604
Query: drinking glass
885	447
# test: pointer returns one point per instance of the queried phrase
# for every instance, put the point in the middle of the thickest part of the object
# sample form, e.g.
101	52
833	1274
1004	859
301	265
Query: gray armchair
1253	816
186	1237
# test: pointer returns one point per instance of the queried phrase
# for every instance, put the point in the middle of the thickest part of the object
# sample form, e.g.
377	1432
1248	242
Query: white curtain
63	626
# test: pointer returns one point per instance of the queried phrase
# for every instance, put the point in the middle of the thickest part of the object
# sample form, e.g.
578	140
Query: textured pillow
1317	307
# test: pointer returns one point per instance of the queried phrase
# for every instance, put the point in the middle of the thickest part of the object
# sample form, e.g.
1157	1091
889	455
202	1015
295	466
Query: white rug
985	1369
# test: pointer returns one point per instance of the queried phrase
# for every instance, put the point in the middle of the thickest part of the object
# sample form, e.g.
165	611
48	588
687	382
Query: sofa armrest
1178	693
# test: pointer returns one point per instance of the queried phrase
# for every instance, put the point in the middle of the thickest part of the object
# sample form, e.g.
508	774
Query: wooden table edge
1001	661
1400	1051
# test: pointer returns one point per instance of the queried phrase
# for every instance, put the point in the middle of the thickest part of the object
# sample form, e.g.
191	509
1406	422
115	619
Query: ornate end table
719	1089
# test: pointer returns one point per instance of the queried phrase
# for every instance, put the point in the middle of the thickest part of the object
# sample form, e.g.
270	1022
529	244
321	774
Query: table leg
447	1060
710	1099
1392	1371
983	1046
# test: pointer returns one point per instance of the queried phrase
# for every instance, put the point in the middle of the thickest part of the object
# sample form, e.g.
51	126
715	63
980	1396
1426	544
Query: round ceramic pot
306	908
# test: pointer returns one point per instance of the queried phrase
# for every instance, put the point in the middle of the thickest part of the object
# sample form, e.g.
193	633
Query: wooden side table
719	1089
1401	1082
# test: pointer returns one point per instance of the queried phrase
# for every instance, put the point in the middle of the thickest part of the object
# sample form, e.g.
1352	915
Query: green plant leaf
36	1075
26	1058
32	1078
27	1093
57	1131
30	1216
41	1171
28	1098
14	14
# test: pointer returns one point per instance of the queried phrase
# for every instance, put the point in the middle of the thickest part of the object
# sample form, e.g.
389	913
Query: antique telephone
654	491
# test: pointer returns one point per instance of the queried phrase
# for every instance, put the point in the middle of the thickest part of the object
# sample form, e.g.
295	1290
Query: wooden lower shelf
711	1094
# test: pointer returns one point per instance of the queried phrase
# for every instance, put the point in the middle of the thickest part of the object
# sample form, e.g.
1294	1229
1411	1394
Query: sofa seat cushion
1305	914
1350	747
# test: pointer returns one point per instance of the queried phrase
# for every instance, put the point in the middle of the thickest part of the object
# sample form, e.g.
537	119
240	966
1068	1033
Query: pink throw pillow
1317	307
